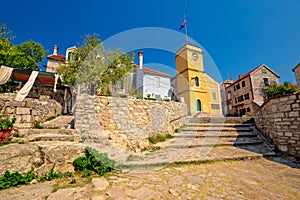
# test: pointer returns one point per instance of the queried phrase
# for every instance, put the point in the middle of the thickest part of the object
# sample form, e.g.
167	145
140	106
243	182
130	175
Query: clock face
195	56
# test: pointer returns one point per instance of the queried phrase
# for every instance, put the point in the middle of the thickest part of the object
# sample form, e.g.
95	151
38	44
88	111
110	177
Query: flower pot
4	135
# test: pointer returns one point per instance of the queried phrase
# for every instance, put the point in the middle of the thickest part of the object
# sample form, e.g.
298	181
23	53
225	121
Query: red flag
183	23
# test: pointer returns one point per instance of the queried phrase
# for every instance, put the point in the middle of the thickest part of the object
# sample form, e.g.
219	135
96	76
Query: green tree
93	65
280	90
26	55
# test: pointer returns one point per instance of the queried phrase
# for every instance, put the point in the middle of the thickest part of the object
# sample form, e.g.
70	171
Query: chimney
55	50
140	59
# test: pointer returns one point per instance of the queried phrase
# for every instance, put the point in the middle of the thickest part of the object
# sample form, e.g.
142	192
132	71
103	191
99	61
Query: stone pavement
248	179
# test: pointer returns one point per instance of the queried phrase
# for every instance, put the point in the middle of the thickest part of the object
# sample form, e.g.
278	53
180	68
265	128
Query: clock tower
192	85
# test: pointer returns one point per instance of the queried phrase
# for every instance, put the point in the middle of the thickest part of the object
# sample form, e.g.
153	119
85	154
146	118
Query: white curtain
55	82
27	87
5	73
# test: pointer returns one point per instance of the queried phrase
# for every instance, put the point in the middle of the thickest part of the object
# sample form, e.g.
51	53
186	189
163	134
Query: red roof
57	57
246	75
152	71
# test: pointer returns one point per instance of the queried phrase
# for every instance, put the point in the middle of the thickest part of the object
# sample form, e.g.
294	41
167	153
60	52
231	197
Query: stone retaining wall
129	122
29	110
279	120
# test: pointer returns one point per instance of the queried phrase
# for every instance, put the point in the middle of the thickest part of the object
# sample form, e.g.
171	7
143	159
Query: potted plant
6	128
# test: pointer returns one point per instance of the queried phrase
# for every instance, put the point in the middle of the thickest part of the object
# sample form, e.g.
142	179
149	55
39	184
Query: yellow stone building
192	85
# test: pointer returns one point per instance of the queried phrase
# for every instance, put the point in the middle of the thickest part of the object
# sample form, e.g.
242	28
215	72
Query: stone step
217	119
53	137
164	157
213	141
62	122
223	129
52	131
204	124
193	134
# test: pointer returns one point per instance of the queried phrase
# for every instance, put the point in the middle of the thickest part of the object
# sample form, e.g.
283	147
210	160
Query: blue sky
239	35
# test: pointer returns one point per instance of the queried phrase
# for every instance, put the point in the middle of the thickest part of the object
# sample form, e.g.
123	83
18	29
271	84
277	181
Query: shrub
93	161
6	123
37	125
14	179
280	90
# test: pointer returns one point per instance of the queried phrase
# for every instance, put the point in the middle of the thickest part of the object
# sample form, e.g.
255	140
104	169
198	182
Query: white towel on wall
5	73
21	95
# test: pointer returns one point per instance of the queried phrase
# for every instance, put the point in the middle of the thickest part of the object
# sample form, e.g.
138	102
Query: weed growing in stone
160	138
93	161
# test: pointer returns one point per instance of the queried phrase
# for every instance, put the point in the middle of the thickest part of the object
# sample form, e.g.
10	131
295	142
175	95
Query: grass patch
151	148
160	138
6	143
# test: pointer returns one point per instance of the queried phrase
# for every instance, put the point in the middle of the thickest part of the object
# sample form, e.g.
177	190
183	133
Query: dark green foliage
176	130
280	90
160	138
50	118
37	125
93	161
73	181
6	123
14	179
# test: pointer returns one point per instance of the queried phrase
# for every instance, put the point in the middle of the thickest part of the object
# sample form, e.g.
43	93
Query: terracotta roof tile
57	57
152	71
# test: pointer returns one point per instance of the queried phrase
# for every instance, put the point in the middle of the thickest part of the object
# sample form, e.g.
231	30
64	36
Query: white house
151	83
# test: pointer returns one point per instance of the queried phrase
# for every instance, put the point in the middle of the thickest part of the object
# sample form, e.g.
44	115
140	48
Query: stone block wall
129	122
279	120
28	111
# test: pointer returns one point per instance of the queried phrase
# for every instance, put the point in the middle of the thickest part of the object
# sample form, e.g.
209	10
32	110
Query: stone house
248	89
223	94
296	70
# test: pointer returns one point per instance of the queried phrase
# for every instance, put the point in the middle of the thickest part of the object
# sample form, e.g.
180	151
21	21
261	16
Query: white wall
150	88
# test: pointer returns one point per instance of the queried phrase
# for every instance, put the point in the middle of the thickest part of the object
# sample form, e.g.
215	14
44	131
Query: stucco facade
192	85
249	88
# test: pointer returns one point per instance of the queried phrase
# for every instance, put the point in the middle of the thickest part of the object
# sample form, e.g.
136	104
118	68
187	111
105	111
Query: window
248	109
235	99
238	86
229	95
156	81
243	84
214	96
69	56
266	81
234	88
240	98
246	96
215	106
197	81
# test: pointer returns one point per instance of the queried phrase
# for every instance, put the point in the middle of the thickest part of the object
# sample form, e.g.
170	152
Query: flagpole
186	33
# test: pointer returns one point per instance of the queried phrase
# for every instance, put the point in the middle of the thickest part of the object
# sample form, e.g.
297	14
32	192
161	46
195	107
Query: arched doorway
199	108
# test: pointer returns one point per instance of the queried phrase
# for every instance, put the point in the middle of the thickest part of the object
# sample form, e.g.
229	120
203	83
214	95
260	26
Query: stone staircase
205	139
54	145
